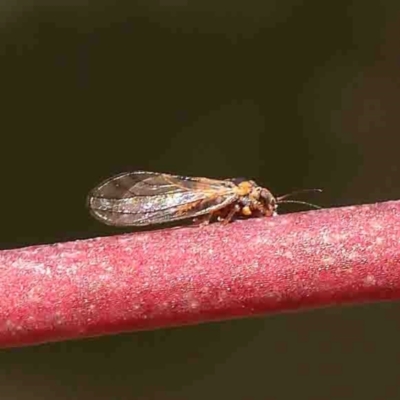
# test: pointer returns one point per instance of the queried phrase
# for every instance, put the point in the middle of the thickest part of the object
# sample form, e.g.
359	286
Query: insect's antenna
297	202
297	192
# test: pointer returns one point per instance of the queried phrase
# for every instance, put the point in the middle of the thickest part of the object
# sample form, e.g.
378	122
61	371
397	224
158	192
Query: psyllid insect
147	198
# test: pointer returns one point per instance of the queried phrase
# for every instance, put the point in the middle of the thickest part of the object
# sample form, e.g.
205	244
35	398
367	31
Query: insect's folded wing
130	184
148	198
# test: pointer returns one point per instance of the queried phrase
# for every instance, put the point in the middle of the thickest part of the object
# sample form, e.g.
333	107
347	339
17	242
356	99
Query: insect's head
268	200
258	196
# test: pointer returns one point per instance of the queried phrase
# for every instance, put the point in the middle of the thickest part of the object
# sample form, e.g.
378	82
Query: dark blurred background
294	94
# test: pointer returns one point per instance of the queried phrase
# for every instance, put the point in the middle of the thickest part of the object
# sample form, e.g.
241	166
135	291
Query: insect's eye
264	194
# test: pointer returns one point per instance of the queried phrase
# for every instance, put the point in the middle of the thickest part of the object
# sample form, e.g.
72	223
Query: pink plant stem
196	274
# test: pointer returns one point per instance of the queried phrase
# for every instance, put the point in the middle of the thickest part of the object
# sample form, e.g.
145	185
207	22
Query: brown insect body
147	198
252	200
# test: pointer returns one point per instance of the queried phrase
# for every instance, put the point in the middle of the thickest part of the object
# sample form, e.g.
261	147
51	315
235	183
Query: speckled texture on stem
198	274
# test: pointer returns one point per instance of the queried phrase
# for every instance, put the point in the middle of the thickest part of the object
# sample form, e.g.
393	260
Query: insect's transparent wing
145	198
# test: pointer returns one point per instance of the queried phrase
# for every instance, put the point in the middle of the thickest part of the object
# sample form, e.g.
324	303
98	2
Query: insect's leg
235	209
264	210
203	220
